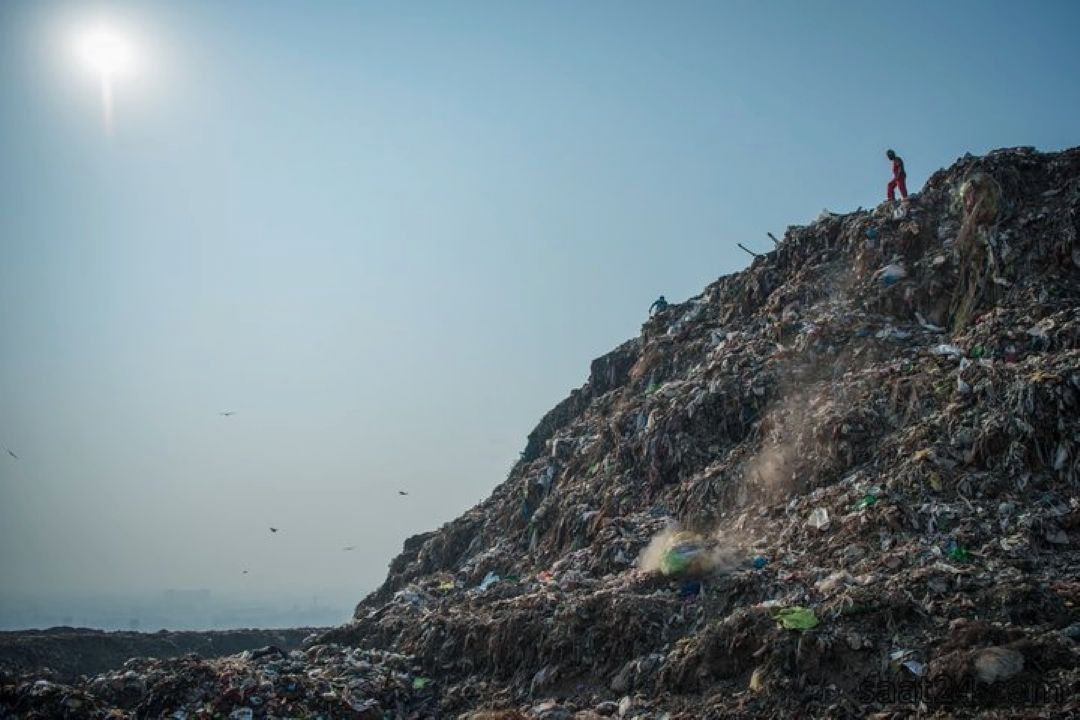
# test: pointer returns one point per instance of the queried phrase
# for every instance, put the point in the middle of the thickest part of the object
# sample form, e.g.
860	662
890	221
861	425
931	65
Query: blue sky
391	236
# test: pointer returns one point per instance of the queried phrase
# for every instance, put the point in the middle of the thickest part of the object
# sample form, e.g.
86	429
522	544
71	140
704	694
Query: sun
106	52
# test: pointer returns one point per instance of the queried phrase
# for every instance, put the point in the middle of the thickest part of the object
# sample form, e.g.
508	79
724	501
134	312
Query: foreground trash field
842	482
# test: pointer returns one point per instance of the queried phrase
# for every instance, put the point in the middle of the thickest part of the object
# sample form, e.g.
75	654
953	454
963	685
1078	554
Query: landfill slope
871	440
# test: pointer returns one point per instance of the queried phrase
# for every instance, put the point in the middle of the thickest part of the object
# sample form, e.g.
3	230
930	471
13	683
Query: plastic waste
891	273
1061	456
759	562
867	501
957	552
690	589
684	553
1057	536
490	579
1038	332
410	596
796	618
819	519
678	560
927	325
946	349
757	680
891	333
833	582
363	706
915	667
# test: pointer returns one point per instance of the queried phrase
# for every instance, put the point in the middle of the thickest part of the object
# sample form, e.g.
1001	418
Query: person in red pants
899	177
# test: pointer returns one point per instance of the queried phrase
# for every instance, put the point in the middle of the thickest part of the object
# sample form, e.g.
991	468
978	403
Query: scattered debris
819	519
748	250
997	663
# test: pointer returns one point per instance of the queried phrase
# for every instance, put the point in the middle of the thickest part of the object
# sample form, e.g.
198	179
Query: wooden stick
773	238
748	250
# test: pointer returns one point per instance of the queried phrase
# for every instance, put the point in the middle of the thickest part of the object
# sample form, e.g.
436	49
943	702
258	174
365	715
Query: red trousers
898	182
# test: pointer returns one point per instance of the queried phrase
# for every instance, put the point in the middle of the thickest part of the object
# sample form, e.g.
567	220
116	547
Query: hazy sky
390	236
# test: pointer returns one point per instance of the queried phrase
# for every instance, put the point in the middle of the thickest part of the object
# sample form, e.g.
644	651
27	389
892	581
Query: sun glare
106	52
109	55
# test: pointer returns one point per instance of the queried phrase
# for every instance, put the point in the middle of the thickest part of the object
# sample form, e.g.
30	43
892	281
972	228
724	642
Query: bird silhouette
349	547
12	454
273	529
245	572
402	492
227	413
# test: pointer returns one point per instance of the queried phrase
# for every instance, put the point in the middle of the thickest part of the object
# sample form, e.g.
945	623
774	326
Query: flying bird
227	413
402	492
273	529
349	547
245	572
12	454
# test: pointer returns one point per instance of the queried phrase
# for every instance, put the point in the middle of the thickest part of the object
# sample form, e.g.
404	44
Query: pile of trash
69	652
325	680
840	482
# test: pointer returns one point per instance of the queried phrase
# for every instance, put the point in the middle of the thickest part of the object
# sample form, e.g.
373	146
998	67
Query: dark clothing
660	306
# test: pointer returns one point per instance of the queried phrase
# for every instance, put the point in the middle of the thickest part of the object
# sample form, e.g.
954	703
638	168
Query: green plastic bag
684	553
674	562
796	618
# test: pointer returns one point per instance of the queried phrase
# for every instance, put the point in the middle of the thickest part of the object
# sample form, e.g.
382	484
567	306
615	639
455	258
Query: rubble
994	664
70	652
873	435
325	680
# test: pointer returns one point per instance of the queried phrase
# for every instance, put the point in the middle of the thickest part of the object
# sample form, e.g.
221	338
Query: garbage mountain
842	482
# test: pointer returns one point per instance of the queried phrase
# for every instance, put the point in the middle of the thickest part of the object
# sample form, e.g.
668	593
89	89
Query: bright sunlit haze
106	52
